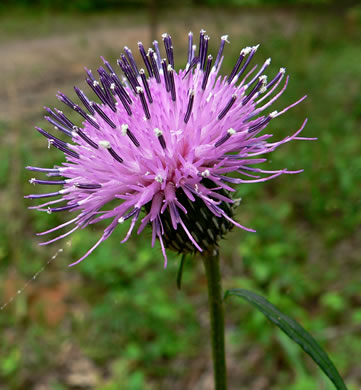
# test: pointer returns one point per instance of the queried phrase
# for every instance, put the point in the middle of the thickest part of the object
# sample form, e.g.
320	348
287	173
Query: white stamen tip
32	180
246	50
273	114
139	90
49	210
231	131
159	179
268	61
121	220
282	70
141	71
112	86
225	38
206	173
95	83
169	68
158	132
104	144
164	35
255	47
124	128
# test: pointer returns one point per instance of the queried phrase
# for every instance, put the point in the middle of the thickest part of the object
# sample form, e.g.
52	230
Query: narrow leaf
294	331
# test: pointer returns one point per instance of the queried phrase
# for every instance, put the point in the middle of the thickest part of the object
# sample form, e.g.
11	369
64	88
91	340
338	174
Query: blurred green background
117	321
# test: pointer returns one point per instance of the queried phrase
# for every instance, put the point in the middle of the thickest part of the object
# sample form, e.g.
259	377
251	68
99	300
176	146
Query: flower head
163	143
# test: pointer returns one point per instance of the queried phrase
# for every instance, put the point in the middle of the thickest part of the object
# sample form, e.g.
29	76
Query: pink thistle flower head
164	144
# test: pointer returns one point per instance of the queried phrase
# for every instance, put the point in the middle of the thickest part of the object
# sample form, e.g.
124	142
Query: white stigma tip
139	89
141	71
140	43
206	173
121	220
246	50
273	114
164	35
268	61
95	83
225	38
169	68
112	86
231	131
104	144
282	70
124	128
32	180
158	132
255	47
159	179
263	78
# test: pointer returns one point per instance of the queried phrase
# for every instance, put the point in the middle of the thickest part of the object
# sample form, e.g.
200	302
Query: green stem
215	299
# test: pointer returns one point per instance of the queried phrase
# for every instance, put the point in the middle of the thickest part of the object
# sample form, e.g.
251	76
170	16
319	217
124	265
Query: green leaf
294	331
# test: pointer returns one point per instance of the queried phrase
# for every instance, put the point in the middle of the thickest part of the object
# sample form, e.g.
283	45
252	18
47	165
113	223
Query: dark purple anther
90	74
236	67
84	99
106	145
103	115
154	65
167	40
115	155
249	59
157	52
207	72
39	196
189	107
47	182
45	170
64	119
135	212
87	117
278	76
228	107
145	59
65	150
132	62
58	126
262	123
94	85
140	92
50	136
201	44
88	186
119	89
64	208
85	137
124	66
171	83
190	48
125	131
165	74
145	85
222	140
224	39
257	87
204	51
194	62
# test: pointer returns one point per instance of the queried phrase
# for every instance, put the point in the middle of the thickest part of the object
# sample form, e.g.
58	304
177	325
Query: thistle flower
163	143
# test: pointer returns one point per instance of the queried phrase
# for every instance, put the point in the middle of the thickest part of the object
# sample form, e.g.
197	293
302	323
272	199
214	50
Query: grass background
117	321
